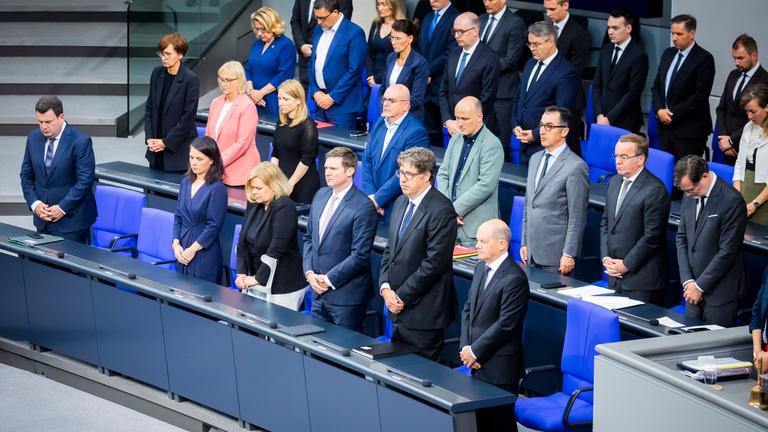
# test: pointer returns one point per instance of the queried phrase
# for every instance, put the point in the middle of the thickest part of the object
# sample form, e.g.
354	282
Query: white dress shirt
553	157
391	129
490	272
546	63
496	19
323	45
672	65
752	137
45	149
340	196
468	52
622	47
709	192
750	73
561	25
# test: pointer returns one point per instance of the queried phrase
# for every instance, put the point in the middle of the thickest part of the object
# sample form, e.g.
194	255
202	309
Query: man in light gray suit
555	199
469	174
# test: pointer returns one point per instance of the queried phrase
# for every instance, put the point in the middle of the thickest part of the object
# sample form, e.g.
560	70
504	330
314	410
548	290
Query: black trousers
82	236
429	342
724	315
653	296
680	147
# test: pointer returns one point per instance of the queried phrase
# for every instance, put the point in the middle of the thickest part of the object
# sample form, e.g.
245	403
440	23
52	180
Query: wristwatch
756	203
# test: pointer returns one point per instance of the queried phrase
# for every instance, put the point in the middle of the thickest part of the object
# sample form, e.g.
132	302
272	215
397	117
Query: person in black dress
295	145
200	213
379	45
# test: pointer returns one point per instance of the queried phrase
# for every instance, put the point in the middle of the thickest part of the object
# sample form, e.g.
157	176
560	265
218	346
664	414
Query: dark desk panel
13	299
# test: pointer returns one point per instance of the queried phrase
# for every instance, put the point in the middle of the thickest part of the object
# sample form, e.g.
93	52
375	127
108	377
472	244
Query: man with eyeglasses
334	74
633	229
710	238
417	264
469	174
472	69
555	199
548	79
396	131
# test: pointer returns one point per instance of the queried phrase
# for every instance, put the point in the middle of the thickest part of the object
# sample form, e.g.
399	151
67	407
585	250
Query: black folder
384	349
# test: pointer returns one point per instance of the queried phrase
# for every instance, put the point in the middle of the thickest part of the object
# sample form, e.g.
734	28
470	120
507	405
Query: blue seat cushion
463	370
546	413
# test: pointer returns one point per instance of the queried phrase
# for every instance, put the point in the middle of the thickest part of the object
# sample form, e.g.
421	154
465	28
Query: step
63	39
63	75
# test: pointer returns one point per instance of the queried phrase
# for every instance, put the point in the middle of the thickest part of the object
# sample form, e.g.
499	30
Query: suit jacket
343	254
573	43
555	214
492	322
638	234
436	48
236	138
178	118
303	23
271	232
373	33
507	42
419	266
477	194
414	75
557	85
68	182
343	69
616	94
479	79
711	253
731	116
688	96
379	169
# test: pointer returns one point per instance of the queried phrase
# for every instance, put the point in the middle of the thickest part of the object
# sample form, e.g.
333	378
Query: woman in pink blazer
232	121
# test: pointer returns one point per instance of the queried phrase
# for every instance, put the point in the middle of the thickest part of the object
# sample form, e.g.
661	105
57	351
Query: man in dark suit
572	38
713	217
57	174
620	76
492	319
417	264
731	116
337	245
548	80
336	66
681	92
303	27
472	69
435	42
504	32
633	229
396	131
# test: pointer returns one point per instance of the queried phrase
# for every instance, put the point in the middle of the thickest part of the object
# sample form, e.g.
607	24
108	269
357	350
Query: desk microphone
51	252
423	381
206	298
120	272
343	351
271	324
651	321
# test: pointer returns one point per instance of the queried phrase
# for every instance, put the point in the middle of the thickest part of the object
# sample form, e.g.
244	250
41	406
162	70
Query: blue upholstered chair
653	133
516	226
200	131
387	325
155	238
587	325
599	151
717	154
662	165
723	171
307	310
589	112
374	105
357	180
233	256
117	225
514	146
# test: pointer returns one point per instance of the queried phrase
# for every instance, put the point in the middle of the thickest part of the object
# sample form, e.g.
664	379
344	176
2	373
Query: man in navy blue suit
57	174
396	131
336	66
548	79
337	245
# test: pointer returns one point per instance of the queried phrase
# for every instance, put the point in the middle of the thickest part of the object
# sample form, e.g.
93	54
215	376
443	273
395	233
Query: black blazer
436	49
303	24
712	252
492	323
731	116
419	266
479	79
372	32
688	97
638	234
507	42
573	43
178	118
616	94
273	234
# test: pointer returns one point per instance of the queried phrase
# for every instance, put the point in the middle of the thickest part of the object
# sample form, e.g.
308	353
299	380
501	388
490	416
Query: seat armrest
133	250
535	370
569	406
163	262
115	239
604	177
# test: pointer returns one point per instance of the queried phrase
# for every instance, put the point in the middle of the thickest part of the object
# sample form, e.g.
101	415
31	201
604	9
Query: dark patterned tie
49	154
406	220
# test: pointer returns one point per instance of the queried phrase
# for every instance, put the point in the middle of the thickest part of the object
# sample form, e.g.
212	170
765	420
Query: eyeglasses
624	157
397	38
548	127
226	80
323	18
392	100
536	45
163	55
408	176
259	30
460	33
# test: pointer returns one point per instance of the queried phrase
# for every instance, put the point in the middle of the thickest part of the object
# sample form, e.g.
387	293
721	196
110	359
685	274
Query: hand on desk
691	293
762	356
566	264
393	302
468	359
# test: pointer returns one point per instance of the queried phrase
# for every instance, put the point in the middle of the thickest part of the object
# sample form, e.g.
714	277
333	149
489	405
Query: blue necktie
433	24
49	154
406	220
676	68
462	64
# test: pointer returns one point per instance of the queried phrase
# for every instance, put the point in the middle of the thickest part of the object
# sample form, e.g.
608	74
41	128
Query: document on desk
612	302
669	322
585	291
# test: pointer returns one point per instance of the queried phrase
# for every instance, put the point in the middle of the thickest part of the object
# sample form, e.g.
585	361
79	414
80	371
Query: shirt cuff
602	261
62	210
565	254
698	287
34	205
384	286
472	352
328	281
690	280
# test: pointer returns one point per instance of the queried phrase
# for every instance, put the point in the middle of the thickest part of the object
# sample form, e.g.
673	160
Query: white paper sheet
612	302
585	291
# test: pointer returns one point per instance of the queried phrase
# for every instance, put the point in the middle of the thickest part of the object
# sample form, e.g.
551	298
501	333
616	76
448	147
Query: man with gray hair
416	267
548	79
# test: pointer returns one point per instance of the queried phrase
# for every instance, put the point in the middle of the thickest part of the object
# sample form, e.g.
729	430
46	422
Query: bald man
469	174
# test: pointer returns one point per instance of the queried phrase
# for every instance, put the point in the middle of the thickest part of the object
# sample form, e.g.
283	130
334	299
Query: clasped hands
317	282
155	145
184	256
393	302
524	136
691	293
48	213
323	100
614	267
665	116
468	359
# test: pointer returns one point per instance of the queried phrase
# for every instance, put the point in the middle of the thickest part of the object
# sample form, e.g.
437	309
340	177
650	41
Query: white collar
561	24
335	27
442	11
753	70
623	46
687	50
711	185
498	14
343	192
634	177
58	137
495	264
417	201
549	59
558	151
471	50
396	122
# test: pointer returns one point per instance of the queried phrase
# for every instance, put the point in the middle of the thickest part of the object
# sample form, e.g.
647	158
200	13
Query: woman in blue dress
272	60
200	213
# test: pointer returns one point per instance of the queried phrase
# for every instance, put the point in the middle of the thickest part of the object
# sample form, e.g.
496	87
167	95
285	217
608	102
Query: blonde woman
750	174
379	45
232	121
272	59
270	228
295	145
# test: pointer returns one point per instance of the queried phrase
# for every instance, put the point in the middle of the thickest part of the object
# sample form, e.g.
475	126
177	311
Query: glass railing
201	22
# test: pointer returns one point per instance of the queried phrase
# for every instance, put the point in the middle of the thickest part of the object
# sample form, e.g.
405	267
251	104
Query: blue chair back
374	106
723	171
717	154
387	325
307	310
200	131
233	255
600	147
357	179
156	236
446	138
119	213
653	133
514	146
662	165
589	111
516	226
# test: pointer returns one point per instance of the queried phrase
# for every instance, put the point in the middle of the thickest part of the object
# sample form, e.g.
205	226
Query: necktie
626	183
49	154
462	63
433	24
741	87
535	75
675	68
488	29
543	169
311	14
460	166
557	27
484	278
700	207
327	213
406	220
615	58
487	277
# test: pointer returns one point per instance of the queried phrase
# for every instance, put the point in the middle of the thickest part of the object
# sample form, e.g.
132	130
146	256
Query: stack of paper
612	302
585	291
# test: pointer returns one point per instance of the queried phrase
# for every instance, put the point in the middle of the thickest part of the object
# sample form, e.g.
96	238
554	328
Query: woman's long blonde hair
294	89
